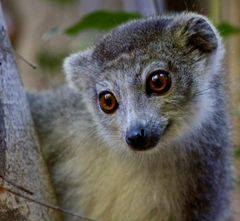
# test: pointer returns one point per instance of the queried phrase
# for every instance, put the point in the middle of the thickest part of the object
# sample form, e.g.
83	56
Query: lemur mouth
144	147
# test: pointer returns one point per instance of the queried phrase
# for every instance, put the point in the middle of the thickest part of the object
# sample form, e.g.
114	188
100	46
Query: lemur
140	131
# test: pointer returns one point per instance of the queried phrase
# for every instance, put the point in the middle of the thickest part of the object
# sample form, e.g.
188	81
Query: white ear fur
76	68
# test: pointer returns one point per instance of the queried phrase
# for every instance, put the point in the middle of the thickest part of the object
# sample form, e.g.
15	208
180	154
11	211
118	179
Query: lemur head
151	81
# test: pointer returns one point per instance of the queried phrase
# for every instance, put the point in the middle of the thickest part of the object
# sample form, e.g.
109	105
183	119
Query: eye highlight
108	102
158	82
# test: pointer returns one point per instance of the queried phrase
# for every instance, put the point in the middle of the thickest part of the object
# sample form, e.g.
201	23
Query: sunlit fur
187	175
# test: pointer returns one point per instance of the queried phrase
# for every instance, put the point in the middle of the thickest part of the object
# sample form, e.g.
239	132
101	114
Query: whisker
208	89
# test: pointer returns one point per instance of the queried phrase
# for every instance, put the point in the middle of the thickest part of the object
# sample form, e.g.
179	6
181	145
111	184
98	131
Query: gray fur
187	176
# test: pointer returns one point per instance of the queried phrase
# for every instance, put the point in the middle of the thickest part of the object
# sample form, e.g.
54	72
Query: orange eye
108	102
158	82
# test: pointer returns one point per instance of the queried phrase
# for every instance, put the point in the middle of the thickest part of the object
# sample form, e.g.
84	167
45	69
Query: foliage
237	152
63	2
103	20
226	29
49	60
100	20
52	33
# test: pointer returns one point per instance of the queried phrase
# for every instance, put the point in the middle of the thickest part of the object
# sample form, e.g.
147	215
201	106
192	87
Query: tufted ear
78	68
197	32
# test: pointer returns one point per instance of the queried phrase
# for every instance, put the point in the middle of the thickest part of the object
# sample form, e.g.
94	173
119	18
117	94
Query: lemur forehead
126	61
132	36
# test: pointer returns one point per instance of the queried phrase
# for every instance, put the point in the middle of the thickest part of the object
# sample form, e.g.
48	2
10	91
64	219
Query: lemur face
148	81
130	102
143	128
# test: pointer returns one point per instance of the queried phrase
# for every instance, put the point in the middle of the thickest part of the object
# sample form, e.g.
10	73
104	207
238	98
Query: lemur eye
158	82
108	102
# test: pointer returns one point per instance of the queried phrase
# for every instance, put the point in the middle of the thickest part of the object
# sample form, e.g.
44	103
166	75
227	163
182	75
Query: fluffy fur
187	176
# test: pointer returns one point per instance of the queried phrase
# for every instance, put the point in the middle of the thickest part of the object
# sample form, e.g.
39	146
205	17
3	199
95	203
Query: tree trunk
230	13
21	162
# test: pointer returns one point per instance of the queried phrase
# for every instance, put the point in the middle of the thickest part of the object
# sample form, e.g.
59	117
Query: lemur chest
108	189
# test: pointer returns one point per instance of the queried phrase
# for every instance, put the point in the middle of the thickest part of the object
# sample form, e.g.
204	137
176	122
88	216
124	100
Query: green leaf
101	20
52	33
226	29
63	2
49	60
237	153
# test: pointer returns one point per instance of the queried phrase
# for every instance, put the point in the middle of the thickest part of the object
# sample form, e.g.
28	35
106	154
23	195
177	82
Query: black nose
139	139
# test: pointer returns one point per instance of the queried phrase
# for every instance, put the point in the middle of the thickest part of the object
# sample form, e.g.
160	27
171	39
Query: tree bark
230	12
21	162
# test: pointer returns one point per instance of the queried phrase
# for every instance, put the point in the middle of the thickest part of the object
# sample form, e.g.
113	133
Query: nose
139	138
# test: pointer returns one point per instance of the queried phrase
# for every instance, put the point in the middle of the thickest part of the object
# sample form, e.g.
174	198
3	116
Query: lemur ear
197	32
77	69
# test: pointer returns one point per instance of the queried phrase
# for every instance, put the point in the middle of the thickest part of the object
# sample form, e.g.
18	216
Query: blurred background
43	32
